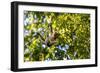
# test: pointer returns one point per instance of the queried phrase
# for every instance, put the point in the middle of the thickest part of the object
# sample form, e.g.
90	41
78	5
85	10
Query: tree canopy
52	36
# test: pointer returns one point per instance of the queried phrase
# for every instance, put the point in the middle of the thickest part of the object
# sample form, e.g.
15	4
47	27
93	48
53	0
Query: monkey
50	40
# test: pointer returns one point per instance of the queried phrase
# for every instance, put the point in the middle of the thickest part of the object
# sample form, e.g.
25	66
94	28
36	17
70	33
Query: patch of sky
26	32
63	48
40	29
43	45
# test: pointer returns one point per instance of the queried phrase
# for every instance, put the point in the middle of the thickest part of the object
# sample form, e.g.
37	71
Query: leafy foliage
72	39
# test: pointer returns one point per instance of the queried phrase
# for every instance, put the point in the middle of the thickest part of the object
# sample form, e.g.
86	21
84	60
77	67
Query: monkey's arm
50	26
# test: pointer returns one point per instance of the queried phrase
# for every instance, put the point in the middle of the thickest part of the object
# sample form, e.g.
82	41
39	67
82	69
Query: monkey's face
55	35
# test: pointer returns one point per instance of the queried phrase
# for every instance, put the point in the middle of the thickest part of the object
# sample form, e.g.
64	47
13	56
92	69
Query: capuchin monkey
50	40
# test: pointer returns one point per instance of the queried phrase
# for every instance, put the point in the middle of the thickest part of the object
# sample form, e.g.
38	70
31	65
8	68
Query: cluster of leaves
72	43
